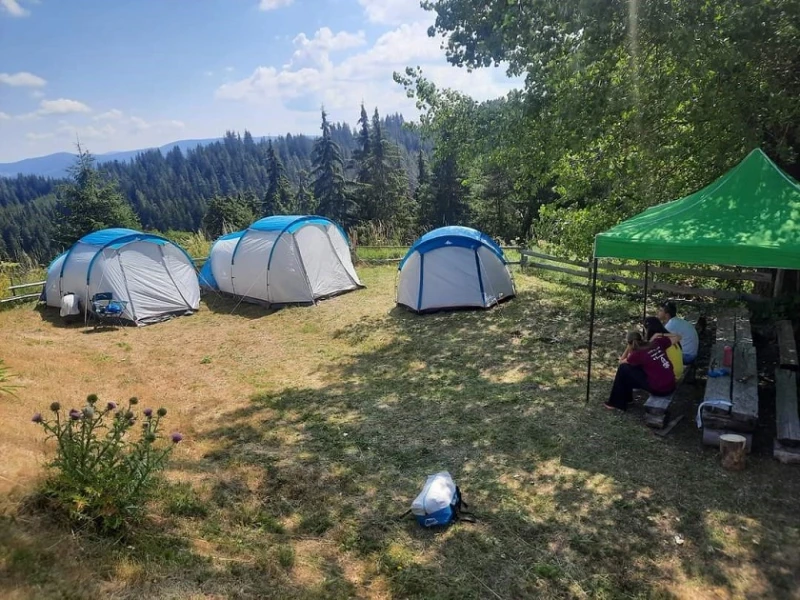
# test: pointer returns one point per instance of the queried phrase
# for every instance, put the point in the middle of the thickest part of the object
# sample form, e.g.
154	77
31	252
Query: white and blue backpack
439	502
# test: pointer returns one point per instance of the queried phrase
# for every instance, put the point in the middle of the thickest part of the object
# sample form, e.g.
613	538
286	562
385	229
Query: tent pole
591	330
646	277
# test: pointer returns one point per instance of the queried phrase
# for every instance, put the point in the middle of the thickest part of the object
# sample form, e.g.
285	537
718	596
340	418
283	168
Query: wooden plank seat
726	329
787	437
656	409
786	416
740	388
787	346
744	394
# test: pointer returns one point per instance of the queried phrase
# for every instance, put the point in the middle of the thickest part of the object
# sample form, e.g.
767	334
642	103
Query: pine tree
423	197
362	152
303	198
449	196
330	187
226	214
90	203
278	199
388	181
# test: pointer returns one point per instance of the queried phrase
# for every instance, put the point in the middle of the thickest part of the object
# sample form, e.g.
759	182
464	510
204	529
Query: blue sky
127	74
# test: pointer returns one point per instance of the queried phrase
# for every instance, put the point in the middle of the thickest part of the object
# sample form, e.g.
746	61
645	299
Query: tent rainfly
749	217
453	267
153	275
282	260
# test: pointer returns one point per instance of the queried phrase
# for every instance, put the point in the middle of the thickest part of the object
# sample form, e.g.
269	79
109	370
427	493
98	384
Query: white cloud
312	78
111	115
13	8
394	12
86	132
273	4
36	94
62	106
22	79
138	124
315	52
35	137
4	116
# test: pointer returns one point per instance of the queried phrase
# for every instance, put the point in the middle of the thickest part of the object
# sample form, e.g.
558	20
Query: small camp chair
107	310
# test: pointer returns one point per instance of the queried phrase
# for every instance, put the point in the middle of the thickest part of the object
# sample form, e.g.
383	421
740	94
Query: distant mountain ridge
57	165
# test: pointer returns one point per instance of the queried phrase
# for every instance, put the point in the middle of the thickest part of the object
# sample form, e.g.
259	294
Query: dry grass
309	429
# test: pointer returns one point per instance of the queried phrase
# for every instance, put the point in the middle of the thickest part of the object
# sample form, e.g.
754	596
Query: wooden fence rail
357	258
583	270
577	268
25	285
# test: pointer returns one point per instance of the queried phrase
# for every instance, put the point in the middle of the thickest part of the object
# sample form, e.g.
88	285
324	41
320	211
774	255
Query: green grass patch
298	481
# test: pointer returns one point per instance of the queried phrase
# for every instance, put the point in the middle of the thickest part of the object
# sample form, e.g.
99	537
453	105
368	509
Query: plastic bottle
727	359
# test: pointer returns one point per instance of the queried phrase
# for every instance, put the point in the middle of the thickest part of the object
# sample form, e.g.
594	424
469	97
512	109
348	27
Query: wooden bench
740	387
787	346
787	438
656	409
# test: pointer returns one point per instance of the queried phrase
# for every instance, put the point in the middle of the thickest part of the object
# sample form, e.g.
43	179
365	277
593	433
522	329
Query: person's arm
634	358
625	354
674	338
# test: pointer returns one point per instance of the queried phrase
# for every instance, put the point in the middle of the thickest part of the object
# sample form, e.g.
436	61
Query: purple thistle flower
75	414
176	437
111	406
148	412
37	418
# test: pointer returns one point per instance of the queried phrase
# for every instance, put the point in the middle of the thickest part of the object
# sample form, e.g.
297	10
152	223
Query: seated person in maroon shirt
643	366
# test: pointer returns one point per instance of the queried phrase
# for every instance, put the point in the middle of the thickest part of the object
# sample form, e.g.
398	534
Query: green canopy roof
749	217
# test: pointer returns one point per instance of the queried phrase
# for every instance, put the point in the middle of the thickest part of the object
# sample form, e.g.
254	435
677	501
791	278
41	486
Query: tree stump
733	448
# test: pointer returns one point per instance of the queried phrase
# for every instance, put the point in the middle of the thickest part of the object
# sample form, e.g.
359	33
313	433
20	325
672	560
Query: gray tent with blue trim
283	259
453	267
153	276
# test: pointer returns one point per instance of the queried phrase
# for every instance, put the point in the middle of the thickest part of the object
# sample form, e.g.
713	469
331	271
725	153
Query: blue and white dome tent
154	276
283	259
453	267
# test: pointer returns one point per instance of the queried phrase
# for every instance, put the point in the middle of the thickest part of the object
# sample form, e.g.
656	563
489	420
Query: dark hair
669	308
634	338
653	326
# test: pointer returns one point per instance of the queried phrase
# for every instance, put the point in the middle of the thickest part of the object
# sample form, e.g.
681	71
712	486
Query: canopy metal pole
646	277
591	330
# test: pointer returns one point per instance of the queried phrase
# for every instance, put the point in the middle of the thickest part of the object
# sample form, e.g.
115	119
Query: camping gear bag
439	502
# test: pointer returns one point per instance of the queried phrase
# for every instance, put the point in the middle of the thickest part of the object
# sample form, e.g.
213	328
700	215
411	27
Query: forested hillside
173	191
624	105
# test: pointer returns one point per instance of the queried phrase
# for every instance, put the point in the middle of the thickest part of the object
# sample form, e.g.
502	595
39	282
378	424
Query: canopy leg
591	331
644	304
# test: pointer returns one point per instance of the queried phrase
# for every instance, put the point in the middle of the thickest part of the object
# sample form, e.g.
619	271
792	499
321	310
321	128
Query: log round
733	449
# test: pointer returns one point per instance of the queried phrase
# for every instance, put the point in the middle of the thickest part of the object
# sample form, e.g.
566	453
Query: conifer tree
278	199
90	203
330	187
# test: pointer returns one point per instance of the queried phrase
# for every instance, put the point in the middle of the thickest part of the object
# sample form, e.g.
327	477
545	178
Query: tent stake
591	331
646	277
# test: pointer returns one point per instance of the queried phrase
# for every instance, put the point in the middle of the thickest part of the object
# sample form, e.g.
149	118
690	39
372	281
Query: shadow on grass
299	495
570	500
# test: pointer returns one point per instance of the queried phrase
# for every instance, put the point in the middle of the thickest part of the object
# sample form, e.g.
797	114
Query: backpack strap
460	514
403	516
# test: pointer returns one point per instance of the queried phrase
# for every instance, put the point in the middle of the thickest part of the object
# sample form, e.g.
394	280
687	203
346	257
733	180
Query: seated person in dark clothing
643	366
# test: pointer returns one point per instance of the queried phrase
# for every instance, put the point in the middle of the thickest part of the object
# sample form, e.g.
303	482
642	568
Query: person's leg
626	380
688	359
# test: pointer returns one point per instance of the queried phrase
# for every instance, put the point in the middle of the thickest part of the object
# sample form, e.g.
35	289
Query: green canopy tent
749	217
